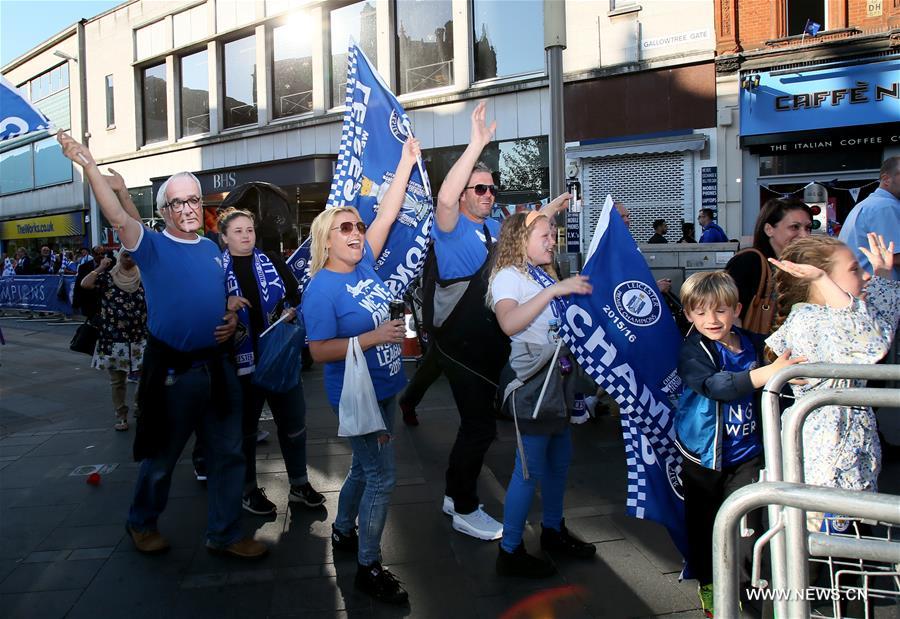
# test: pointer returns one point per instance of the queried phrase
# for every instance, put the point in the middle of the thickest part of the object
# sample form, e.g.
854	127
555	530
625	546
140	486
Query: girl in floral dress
123	327
829	319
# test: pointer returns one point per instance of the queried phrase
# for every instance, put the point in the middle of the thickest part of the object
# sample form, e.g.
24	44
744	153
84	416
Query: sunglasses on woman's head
481	189
347	227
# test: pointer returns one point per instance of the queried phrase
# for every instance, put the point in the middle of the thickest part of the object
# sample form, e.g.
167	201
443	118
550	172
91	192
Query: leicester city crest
398	127
637	303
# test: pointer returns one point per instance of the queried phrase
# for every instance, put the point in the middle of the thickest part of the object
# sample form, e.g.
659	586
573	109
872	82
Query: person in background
712	232
46	262
346	298
68	266
266	290
9	266
22	262
623	213
84	299
660	228
84	256
123	327
687	233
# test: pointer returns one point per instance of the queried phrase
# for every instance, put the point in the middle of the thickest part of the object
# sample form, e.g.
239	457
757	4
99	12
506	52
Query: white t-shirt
511	283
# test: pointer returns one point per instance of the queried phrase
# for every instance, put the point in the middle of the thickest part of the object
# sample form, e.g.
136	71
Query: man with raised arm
471	347
187	380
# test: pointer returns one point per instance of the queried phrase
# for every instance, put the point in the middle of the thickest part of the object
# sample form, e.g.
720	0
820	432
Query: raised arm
129	229
557	205
393	199
117	184
447	212
514	317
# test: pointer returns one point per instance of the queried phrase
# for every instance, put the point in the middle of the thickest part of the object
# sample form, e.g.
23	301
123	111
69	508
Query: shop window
424	45
292	73
110	103
819	162
195	94
51	167
150	40
508	37
240	82
16	170
801	11
155	115
356	21
233	13
191	25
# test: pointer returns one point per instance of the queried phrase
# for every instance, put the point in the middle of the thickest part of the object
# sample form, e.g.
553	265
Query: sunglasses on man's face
481	189
347	227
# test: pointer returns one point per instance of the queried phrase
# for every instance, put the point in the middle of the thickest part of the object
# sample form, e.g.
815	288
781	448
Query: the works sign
793	100
70	224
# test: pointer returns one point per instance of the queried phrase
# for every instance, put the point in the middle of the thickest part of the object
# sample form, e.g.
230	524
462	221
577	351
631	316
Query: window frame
474	82
110	92
182	134
425	92
273	25
143	76
223	74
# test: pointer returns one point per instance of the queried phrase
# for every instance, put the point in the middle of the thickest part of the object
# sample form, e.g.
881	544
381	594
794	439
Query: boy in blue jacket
716	423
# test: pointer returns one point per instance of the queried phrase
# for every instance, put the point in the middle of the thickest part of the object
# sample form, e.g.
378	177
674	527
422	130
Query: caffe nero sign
810	100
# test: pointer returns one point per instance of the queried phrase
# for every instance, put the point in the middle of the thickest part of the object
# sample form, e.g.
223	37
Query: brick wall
748	24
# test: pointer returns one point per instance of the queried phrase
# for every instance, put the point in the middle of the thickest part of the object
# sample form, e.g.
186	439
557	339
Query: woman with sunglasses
526	300
346	298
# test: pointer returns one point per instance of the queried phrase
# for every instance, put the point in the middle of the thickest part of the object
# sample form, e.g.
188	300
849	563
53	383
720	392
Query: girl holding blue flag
538	387
262	289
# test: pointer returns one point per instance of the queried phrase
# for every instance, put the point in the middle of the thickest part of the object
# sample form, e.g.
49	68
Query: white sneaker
478	524
448	506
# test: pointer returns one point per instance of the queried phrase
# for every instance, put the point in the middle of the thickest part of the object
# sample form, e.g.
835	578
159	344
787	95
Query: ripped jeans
289	413
367	490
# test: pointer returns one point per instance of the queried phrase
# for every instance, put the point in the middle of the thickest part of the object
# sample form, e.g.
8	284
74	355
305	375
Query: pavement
64	551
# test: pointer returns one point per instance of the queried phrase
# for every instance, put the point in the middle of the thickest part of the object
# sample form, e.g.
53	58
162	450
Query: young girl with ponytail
831	311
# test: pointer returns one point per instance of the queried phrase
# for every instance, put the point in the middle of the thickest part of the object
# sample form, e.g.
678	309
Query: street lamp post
554	44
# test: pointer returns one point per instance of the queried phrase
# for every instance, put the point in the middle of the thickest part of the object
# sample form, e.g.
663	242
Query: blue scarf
271	292
558	305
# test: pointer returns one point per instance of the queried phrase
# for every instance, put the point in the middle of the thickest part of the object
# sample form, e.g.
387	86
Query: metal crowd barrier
772	445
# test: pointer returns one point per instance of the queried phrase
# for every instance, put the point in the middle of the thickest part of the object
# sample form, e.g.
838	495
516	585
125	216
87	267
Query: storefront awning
669	144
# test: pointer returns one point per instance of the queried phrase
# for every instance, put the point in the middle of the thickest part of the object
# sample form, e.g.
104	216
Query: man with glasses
471	347
188	380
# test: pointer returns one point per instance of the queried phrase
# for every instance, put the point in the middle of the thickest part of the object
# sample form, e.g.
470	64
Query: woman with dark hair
779	222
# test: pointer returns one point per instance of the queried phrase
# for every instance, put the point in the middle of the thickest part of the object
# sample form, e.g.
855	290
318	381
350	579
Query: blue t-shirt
742	438
880	213
713	233
339	305
185	287
461	253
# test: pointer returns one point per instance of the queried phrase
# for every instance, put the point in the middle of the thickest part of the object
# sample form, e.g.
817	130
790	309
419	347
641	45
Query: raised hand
577	284
481	134
115	181
880	256
104	264
74	150
412	150
806	272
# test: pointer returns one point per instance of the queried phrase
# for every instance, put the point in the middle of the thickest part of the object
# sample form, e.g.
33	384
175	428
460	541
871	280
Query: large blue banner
801	100
17	116
375	128
625	338
44	293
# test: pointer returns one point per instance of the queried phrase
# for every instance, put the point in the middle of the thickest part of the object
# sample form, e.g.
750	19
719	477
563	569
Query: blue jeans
289	413
189	405
366	492
548	457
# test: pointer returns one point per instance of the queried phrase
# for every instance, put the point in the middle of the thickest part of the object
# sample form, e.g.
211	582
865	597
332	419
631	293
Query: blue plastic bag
280	355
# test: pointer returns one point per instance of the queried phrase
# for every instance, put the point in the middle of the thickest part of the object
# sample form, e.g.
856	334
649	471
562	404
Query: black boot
380	584
344	541
564	542
520	563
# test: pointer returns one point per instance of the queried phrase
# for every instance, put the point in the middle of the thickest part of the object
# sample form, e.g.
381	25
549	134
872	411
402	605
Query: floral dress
840	443
123	327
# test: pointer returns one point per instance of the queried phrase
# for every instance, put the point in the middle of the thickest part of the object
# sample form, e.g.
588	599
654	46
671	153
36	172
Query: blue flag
375	128
18	116
811	28
625	338
298	262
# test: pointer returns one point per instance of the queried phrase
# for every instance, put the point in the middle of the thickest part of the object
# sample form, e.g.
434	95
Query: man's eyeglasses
481	189
178	205
347	227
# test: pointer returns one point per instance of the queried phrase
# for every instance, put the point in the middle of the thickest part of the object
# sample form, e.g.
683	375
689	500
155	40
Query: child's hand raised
785	360
880	256
806	272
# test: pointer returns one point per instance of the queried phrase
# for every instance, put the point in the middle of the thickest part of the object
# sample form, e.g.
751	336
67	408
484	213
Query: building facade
240	91
808	101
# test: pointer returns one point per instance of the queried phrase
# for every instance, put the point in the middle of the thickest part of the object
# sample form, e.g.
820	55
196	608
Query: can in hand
398	309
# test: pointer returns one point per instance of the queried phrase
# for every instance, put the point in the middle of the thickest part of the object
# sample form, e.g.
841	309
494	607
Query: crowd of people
189	316
48	260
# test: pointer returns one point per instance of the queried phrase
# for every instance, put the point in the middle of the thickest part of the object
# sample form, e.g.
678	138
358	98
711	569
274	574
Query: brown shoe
244	548
148	542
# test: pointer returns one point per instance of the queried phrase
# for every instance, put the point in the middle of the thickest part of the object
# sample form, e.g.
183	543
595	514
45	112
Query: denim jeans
548	457
289	412
189	405
366	492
